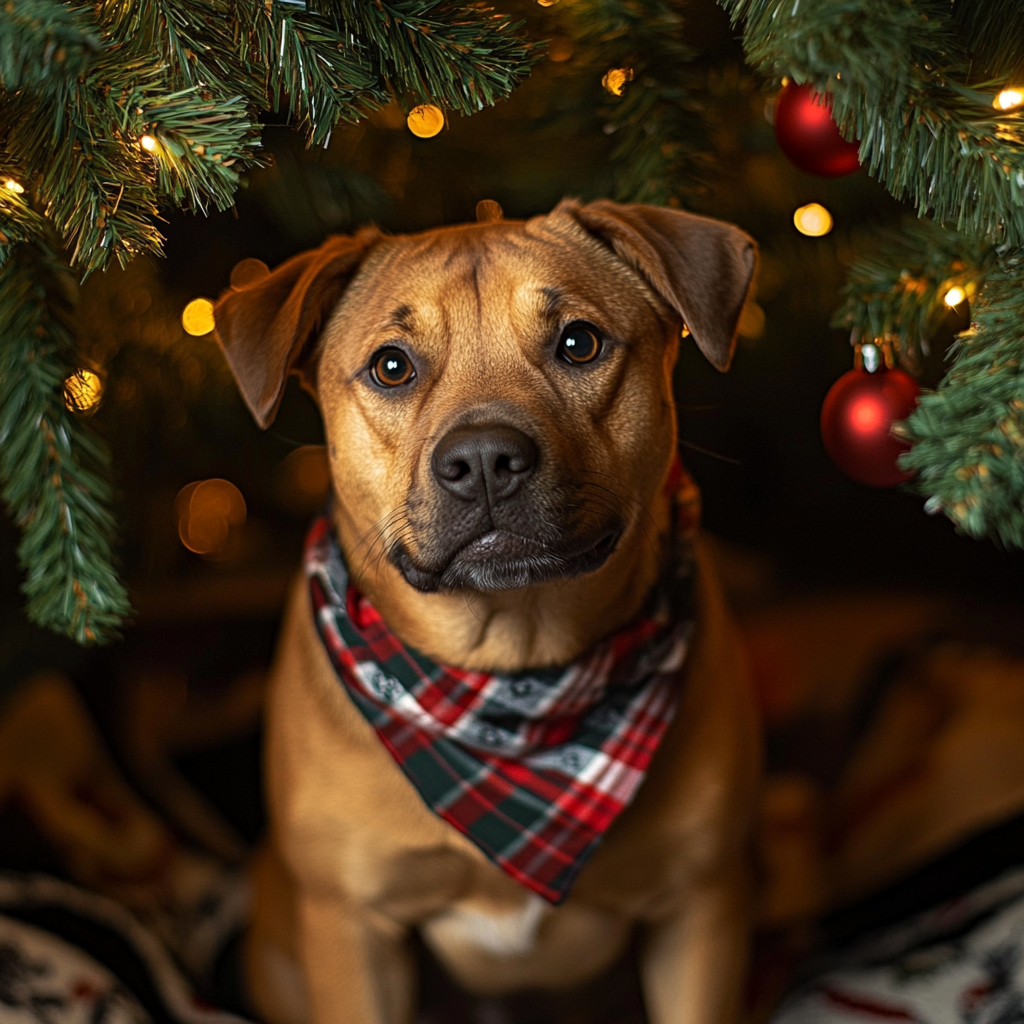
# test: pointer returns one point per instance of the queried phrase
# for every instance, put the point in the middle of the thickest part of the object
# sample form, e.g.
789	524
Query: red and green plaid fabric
532	767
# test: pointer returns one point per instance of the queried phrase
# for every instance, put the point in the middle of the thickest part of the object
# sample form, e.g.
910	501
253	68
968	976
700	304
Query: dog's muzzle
493	526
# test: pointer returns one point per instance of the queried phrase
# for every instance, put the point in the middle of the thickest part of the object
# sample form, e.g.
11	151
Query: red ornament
856	423
809	137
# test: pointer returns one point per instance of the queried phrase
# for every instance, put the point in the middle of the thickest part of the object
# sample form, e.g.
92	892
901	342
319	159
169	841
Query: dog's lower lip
498	555
498	544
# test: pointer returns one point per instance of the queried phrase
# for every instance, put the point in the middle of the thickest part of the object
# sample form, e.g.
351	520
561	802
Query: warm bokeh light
866	415
197	317
615	80
954	296
248	271
1009	99
207	511
560	49
149	144
813	220
425	121
12	186
83	390
303	480
547	3
752	321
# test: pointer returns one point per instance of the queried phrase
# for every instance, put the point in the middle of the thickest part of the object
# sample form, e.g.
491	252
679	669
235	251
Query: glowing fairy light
813	220
197	317
1009	99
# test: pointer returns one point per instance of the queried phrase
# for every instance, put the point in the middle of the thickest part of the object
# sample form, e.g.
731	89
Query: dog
500	426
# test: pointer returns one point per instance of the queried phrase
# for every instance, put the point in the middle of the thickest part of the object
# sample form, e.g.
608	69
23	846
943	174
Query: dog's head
497	397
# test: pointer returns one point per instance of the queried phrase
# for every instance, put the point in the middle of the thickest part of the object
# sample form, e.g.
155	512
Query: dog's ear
701	267
267	328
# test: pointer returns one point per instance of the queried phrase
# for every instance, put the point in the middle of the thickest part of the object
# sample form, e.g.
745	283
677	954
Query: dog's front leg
358	967
693	963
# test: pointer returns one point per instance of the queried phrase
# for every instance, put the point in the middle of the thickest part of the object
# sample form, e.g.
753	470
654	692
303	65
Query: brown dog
450	348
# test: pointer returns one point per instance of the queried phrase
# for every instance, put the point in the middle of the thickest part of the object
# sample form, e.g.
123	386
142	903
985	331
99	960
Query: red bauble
808	135
856	421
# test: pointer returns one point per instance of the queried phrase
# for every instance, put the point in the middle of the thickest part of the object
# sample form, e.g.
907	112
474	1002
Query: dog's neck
544	625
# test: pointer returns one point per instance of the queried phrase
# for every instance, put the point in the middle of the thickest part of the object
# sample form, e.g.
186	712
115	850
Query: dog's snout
484	463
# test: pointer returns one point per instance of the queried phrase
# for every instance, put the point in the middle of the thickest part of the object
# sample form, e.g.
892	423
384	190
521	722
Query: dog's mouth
499	560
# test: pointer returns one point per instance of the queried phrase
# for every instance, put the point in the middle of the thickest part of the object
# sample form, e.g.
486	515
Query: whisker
710	453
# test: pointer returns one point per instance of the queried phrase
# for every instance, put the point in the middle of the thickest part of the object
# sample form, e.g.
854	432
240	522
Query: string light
1008	99
83	390
425	121
197	317
12	186
547	3
954	296
149	144
615	80
813	220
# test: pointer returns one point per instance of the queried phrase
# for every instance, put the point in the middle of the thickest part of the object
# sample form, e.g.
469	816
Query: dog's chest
496	930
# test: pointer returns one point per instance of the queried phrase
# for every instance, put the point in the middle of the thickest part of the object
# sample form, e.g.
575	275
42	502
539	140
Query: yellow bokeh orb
149	144
813	220
425	121
615	80
1009	99
547	3
954	296
197	317
83	390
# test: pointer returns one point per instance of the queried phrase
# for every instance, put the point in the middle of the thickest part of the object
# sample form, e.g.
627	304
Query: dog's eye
391	367
580	343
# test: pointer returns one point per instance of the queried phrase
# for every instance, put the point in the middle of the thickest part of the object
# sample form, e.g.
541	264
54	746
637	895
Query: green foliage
969	435
895	289
458	55
48	462
42	44
661	139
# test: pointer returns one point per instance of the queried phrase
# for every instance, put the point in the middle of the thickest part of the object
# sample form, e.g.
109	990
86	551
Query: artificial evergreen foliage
661	145
895	289
50	465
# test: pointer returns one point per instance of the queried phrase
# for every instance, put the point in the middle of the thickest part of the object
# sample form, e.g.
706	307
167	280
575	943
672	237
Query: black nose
484	463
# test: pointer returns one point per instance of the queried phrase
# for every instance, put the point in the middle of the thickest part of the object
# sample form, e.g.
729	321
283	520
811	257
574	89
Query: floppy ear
266	328
701	267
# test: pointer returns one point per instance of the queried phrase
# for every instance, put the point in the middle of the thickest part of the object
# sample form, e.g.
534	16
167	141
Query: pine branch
662	146
194	41
462	56
896	72
98	191
968	436
48	460
315	68
895	289
991	32
202	147
42	43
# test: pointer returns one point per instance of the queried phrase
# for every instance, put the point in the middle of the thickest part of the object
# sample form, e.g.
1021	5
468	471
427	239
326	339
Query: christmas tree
112	113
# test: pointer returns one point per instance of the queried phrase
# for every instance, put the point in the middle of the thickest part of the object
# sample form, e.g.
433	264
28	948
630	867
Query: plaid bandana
532	767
